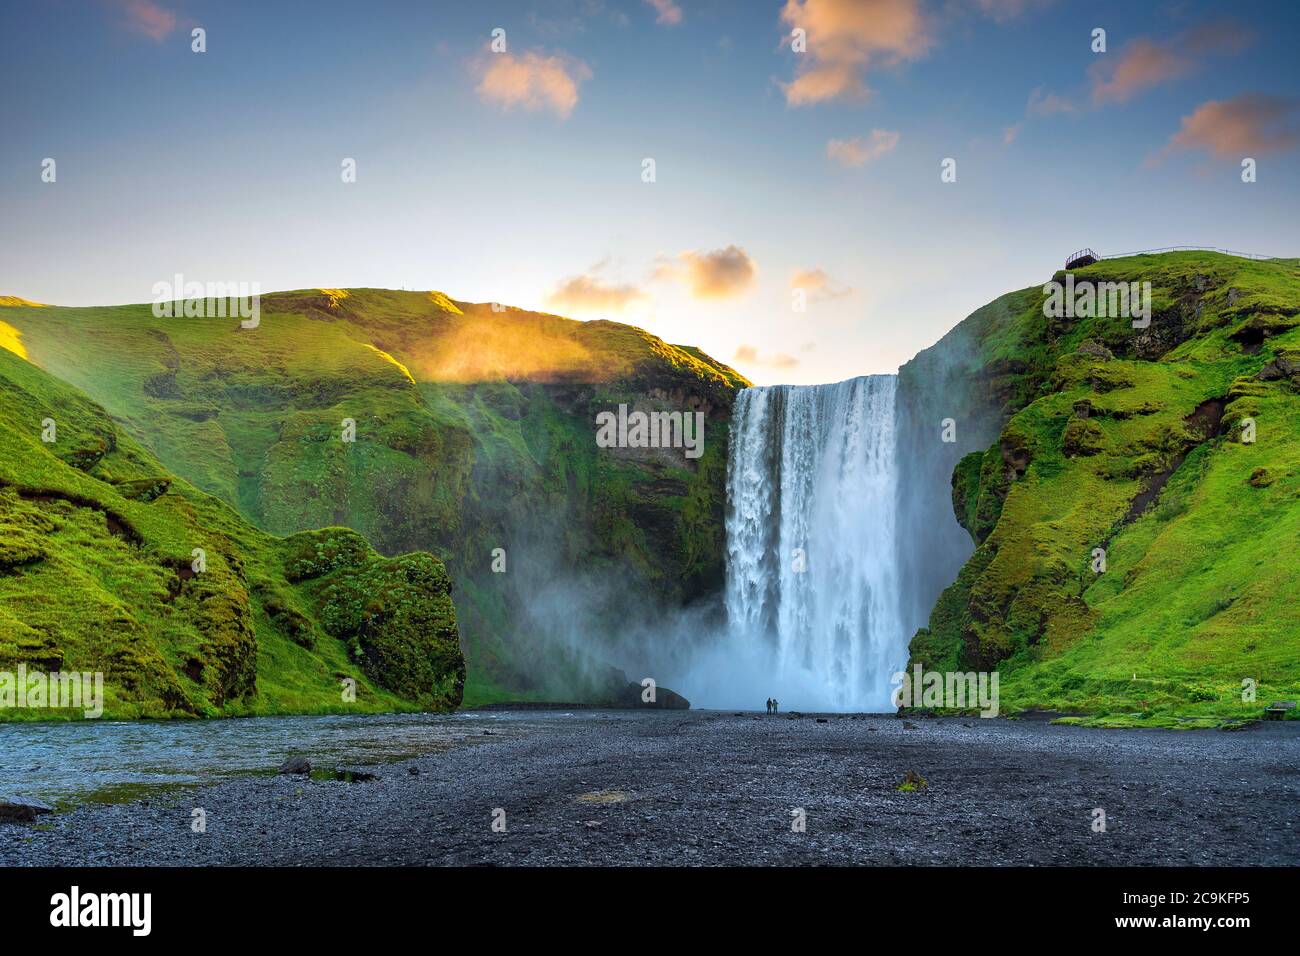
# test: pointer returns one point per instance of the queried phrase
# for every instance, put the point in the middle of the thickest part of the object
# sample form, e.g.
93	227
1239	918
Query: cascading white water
812	590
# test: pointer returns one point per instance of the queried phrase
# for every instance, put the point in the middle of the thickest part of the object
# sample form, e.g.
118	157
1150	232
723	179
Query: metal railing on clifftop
1226	252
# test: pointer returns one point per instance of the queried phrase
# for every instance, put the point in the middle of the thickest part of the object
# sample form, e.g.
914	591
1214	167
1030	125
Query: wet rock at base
21	809
623	694
296	765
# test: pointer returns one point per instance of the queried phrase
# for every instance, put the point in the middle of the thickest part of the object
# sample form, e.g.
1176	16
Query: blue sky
516	176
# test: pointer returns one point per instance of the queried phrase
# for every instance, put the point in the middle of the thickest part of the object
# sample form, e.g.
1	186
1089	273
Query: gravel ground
703	788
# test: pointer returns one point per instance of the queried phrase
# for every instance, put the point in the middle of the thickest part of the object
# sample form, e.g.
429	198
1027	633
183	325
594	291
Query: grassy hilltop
1135	441
474	432
97	573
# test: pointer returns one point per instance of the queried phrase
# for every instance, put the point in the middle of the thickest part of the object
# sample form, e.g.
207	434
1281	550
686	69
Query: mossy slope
1136	442
474	431
98	551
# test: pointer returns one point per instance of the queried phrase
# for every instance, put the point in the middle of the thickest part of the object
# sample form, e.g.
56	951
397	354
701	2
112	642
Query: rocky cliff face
473	437
949	404
1127	515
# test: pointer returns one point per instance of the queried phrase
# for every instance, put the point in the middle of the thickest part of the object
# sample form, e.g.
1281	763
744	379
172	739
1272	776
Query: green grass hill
1175	449
473	432
100	572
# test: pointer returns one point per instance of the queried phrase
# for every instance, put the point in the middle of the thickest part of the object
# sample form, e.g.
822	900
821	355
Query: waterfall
813	590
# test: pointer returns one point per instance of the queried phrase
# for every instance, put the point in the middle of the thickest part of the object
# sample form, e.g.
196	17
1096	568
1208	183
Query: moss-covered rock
1260	478
143	489
397	614
1082	437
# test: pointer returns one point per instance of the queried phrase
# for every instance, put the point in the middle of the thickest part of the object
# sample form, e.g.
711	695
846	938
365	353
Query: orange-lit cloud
532	81
817	284
859	151
749	355
669	13
589	293
845	38
1144	63
1141	65
144	16
1247	125
718	274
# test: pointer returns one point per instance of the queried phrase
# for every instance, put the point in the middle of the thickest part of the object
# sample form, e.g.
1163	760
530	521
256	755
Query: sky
795	221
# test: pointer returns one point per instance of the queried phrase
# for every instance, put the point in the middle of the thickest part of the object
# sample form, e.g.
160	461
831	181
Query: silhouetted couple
772	705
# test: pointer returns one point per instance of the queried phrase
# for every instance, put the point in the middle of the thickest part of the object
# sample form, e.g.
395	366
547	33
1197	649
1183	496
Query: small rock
908	725
413	771
296	765
822	720
911	782
347	775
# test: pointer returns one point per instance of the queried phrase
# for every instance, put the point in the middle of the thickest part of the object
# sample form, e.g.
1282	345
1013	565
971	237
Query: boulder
143	489
296	765
22	809
1095	349
1260	478
665	699
616	691
1286	365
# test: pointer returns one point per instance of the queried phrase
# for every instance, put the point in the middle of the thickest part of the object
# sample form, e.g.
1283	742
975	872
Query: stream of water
65	762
